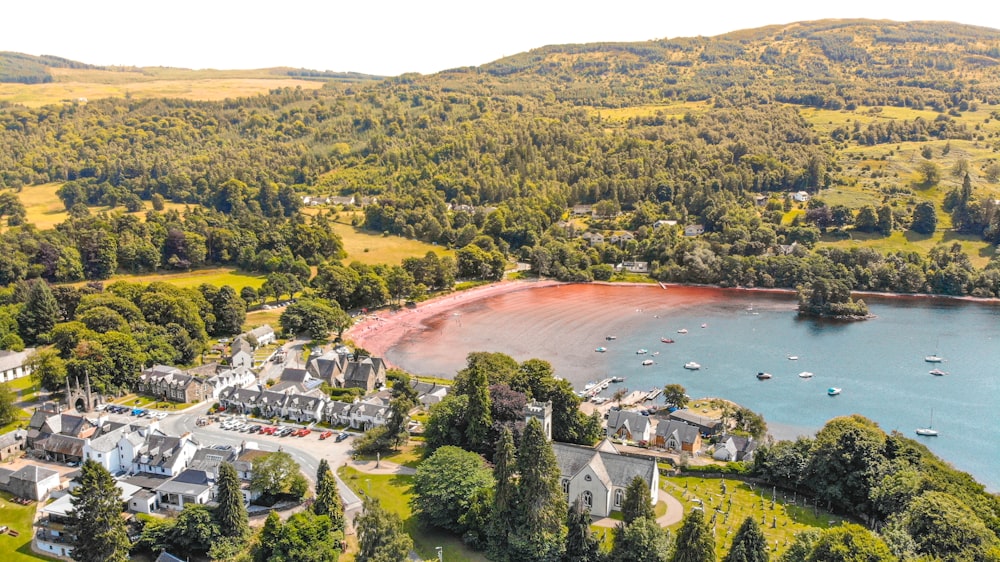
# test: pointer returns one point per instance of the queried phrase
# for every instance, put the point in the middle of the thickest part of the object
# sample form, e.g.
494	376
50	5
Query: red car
326	434
303	432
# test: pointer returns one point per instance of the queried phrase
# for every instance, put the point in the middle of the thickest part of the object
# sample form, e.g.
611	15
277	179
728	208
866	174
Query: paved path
675	512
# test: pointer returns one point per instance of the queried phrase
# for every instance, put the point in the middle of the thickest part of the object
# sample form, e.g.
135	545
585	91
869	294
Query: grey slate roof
13	359
33	473
167	557
636	422
618	470
12	437
694	419
685	433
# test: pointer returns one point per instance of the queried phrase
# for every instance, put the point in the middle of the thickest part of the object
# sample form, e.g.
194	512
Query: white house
735	448
599	476
13	364
241	354
800	197
30	482
164	454
189	487
694	229
633	266
262	334
236	377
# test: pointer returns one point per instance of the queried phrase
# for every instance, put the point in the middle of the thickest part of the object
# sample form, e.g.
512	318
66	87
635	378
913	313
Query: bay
734	334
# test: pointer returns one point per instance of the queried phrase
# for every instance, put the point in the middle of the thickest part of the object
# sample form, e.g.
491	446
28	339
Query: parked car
342	435
326	434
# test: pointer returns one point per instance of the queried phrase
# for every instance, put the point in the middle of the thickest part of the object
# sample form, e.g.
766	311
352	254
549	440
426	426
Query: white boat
793	357
805	375
692	366
641	351
938	372
762	376
833	391
647	362
935	358
704	325
601	349
610	338
682	331
617	379
928	431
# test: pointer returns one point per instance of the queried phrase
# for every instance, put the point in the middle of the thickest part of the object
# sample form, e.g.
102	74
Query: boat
833	391
601	349
610	338
704	325
928	431
589	385
647	362
641	351
682	331
666	340
805	375
655	353
935	358
763	376
938	372
692	366
617	379
793	357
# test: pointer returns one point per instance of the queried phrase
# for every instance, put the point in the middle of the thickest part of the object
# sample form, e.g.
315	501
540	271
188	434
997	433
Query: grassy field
394	492
370	247
19	518
217	276
979	252
780	520
260	317
73	84
45	210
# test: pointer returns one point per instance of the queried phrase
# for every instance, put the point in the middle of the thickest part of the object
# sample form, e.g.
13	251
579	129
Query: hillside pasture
370	247
45	210
217	276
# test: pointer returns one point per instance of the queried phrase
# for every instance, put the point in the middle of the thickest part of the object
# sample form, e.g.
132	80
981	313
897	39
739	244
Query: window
587	478
588	499
565	485
619	497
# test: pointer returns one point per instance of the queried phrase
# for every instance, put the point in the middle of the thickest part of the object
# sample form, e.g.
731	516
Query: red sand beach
522	318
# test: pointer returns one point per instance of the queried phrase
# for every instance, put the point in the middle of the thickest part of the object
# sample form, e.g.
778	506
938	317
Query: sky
390	37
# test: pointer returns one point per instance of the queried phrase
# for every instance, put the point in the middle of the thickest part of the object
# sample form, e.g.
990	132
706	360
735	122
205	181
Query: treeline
921	507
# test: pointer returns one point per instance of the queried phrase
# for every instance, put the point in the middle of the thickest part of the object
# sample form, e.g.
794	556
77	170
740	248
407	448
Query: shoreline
379	331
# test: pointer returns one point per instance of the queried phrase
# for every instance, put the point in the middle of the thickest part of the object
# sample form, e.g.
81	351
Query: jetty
653	394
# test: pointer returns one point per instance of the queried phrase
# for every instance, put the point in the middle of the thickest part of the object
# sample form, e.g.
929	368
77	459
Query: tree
381	537
643	540
581	543
946	528
847	460
867	219
96	522
849	543
231	512
675	395
929	174
39	314
886	221
694	540
501	523
750	545
539	533
305	537
276	474
444	485
924	218
315	317
327	500
8	411
638	501
478	414
48	369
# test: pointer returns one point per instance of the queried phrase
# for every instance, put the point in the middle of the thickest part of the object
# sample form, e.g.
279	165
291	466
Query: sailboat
928	431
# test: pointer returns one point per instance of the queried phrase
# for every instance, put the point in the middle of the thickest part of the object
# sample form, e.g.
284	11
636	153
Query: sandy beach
379	331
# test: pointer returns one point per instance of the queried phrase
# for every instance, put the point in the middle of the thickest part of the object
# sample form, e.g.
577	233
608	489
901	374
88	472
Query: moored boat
617	379
805	375
763	376
647	362
938	372
601	349
928	431
666	340
793	357
692	366
682	331
935	358
833	391
610	338
641	351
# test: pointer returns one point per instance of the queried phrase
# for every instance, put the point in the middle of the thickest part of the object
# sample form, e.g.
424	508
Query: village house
429	393
191	486
735	448
240	354
170	383
628	425
800	197
583	210
674	435
621	239
31	482
368	373
313	200
14	364
694	230
633	266
664	222
599	476
164	454
12	443
58	436
706	426
593	238
263	335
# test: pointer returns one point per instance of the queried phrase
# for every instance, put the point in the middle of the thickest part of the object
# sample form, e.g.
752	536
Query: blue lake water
879	364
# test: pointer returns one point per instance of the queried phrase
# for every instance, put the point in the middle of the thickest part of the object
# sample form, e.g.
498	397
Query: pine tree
581	544
502	517
750	545
96	522
638	501
540	532
380	535
478	415
231	513
269	537
328	497
694	540
39	314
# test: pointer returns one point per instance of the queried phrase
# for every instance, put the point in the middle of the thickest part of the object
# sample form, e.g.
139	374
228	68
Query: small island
831	298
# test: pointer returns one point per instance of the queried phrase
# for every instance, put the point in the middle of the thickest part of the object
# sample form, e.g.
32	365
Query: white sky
390	37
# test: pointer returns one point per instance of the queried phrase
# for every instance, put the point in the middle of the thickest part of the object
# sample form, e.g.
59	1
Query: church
598	475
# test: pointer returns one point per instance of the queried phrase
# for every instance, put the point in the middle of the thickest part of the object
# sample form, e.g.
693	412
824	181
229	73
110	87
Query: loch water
733	334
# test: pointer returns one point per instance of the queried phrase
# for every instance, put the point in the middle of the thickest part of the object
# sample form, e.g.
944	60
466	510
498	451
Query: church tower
542	411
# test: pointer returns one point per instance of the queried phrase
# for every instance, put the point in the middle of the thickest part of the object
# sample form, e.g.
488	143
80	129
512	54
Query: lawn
394	492
19	518
45	210
258	318
370	247
979	252
217	276
780	519
410	455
